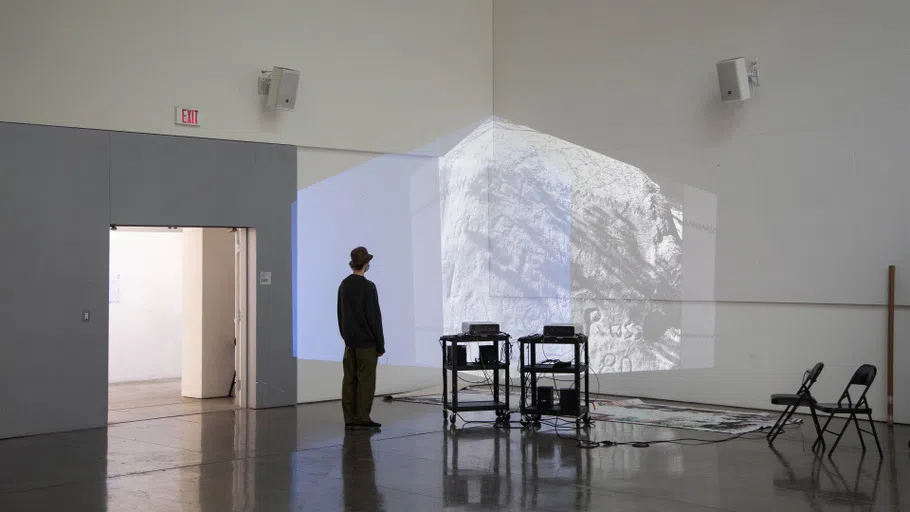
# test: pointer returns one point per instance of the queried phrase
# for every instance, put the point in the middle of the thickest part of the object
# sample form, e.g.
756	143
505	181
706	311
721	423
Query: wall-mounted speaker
733	76
283	89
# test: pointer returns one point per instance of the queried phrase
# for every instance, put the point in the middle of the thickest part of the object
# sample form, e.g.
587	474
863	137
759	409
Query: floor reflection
480	469
475	463
547	458
825	481
72	467
358	472
301	458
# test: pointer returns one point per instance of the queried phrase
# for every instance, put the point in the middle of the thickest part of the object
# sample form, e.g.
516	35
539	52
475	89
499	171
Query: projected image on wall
524	229
390	204
537	230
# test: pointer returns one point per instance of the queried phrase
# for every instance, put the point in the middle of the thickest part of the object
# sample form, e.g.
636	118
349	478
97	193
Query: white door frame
243	304
244	301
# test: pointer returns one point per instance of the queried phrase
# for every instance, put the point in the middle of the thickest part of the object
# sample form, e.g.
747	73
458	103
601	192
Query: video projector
561	330
478	328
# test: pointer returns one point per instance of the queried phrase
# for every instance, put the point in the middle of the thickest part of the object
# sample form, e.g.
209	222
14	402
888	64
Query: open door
241	323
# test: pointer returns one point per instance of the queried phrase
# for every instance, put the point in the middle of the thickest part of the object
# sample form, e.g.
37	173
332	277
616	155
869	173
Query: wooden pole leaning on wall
891	283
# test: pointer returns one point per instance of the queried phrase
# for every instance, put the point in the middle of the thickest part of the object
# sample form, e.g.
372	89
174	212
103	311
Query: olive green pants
359	384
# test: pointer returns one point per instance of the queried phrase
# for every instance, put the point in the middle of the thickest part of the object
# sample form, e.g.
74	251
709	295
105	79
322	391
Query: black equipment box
545	398
461	355
476	328
568	401
559	330
488	354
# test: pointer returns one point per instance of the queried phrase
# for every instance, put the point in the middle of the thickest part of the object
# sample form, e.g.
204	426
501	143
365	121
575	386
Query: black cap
360	257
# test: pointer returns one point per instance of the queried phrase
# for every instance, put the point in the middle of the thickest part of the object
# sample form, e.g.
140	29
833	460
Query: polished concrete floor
134	401
300	458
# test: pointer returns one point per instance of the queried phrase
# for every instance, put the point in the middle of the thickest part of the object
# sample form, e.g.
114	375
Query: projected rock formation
537	230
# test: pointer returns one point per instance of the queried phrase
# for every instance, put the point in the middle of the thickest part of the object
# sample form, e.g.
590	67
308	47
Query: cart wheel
445	416
452	419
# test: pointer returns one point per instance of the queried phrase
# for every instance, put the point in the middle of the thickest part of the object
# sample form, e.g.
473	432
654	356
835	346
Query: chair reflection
825	483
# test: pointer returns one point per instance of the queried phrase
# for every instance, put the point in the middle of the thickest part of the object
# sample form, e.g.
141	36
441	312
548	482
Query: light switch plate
265	278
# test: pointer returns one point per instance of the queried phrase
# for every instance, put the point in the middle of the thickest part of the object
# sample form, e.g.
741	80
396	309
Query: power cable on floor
685	441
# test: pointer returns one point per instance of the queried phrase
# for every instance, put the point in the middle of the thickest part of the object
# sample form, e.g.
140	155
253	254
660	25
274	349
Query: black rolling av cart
532	407
451	366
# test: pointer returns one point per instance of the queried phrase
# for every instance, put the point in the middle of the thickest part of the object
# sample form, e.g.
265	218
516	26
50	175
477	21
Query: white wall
145	321
390	76
810	175
321	380
208	322
385	76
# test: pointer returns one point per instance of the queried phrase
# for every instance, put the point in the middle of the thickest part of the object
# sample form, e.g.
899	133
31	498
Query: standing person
360	324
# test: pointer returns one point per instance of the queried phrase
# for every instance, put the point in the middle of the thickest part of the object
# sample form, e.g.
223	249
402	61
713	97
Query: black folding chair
793	401
864	377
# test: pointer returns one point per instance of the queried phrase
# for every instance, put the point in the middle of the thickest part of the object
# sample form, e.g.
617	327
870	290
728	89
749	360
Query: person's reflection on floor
358	471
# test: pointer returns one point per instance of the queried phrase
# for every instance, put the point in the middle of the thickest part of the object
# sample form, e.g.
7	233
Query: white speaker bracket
265	81
754	73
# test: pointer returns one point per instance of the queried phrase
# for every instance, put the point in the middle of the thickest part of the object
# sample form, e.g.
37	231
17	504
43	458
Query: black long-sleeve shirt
359	317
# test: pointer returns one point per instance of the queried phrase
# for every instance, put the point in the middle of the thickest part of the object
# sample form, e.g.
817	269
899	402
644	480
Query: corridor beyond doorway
177	321
135	401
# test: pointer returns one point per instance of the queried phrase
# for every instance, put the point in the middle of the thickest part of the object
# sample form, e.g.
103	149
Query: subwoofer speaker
460	357
488	355
568	401
544	398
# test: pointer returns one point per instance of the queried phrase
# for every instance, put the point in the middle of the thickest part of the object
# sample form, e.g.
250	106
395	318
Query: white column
208	312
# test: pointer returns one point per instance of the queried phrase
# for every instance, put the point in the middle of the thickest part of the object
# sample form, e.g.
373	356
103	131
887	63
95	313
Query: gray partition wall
60	190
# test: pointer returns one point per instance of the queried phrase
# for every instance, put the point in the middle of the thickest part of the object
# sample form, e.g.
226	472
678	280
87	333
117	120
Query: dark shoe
369	424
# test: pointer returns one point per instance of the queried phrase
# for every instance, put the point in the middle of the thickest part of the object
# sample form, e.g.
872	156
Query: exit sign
186	116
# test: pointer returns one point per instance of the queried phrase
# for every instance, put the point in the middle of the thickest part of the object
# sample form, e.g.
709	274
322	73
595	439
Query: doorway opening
178	323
